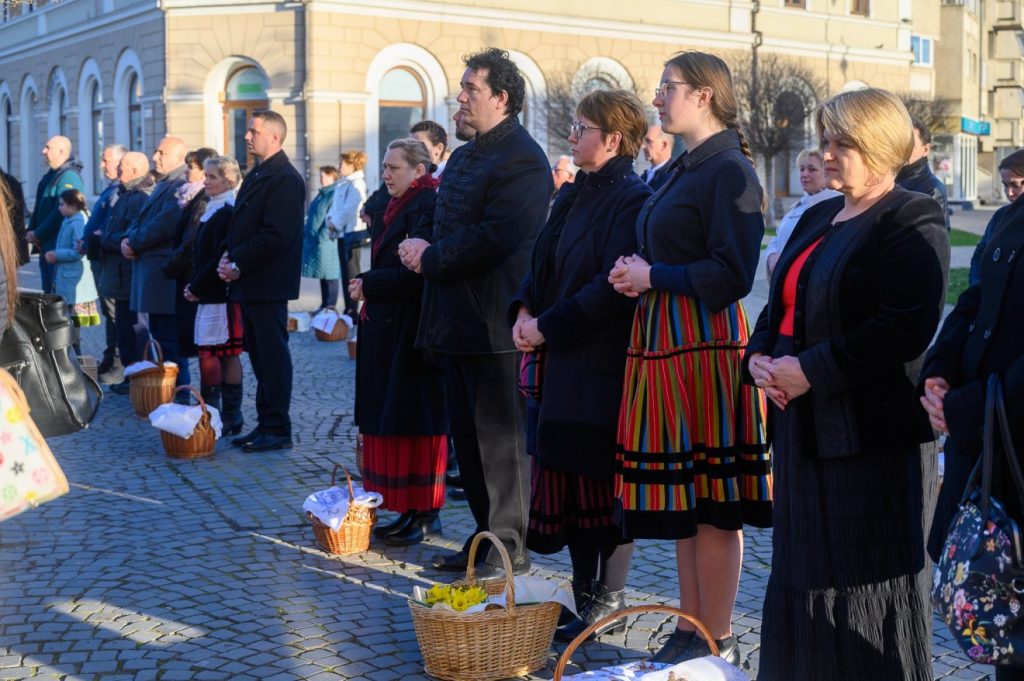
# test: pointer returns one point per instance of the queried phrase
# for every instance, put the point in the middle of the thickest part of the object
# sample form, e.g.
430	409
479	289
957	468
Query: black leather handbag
37	351
978	583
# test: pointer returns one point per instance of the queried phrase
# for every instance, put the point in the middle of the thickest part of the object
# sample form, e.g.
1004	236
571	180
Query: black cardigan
207	249
869	299
586	325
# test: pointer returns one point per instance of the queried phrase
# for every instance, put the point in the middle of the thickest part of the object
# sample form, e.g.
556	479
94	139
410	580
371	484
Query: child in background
78	290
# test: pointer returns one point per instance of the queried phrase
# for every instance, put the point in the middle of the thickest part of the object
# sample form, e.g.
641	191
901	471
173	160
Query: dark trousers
164	328
349	258
487	418
47	274
106	306
329	292
1009	674
131	334
266	340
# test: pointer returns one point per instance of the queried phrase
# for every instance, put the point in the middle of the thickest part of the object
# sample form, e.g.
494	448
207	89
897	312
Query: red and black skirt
408	470
233	346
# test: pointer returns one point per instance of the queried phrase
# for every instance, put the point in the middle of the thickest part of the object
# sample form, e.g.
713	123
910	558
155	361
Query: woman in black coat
400	401
567	312
192	199
854	301
220	369
981	337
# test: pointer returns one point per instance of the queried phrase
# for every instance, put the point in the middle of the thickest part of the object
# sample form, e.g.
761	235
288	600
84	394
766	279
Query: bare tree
565	88
775	104
938	115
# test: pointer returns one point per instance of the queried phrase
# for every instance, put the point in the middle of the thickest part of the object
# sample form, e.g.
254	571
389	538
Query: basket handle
195	394
506	563
159	350
334	479
563	661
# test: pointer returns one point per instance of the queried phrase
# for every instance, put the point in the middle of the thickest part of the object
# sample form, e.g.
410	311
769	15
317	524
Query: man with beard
492	201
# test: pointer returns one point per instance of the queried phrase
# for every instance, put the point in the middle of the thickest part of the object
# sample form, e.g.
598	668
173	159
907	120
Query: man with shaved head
64	173
148	244
133	189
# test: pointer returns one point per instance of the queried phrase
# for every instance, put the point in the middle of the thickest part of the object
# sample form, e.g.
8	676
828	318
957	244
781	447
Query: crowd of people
575	334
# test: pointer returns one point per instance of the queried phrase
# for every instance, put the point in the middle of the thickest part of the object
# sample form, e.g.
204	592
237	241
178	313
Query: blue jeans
47	274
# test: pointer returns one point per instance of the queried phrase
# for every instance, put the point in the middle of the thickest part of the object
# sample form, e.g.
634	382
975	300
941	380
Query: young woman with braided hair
692	461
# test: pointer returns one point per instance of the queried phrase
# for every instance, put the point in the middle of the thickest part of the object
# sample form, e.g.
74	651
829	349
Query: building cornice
86	30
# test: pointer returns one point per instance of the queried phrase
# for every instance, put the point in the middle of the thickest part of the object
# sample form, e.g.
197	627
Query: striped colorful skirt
567	507
408	470
691	442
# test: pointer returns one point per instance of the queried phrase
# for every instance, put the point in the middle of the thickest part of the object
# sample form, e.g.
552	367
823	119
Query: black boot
424	524
582	592
397	524
728	650
211	395
676	648
231	416
603	603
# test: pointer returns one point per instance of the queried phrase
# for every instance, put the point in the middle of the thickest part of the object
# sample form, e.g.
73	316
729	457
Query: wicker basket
338	333
153	387
204	437
293	324
563	661
353	535
489	645
89	366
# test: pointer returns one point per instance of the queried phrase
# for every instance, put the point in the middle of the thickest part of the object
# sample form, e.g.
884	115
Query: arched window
246	92
403	103
30	145
61	104
134	113
96	127
8	114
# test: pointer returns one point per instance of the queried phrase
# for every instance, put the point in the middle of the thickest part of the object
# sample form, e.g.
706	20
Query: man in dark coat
133	190
16	213
492	202
64	174
917	175
148	244
658	152
263	264
93	230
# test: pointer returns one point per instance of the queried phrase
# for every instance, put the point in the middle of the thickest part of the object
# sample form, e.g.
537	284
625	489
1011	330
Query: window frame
860	8
924	43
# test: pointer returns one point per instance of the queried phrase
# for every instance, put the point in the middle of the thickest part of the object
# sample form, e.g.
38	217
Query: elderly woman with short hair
855	299
219	365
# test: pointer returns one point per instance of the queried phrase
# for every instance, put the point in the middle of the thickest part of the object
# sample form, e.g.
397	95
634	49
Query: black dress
847	598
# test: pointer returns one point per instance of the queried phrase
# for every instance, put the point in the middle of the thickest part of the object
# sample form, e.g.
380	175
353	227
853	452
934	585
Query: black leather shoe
603	603
728	650
520	566
247	438
395	525
423	525
452	562
122	388
676	647
266	443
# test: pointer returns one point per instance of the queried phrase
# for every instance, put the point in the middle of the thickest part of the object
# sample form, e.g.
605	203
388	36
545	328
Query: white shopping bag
211	324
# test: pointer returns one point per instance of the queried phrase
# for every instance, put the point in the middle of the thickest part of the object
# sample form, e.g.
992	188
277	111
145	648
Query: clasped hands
631	275
781	378
526	336
410	252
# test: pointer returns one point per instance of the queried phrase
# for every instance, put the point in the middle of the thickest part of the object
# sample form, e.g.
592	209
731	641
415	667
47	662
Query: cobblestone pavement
153	568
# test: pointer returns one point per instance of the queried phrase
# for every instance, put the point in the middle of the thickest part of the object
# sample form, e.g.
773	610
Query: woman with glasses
567	311
1011	174
692	461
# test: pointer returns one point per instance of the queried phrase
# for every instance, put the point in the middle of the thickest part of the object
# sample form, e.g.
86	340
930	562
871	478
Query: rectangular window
861	7
922	49
802	4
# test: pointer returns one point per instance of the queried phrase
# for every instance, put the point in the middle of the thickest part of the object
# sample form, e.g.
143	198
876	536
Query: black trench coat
398	391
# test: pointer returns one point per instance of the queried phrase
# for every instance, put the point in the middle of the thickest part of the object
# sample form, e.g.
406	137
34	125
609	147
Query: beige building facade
356	73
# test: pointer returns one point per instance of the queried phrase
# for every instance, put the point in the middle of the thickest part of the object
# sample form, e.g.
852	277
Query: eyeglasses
577	128
664	90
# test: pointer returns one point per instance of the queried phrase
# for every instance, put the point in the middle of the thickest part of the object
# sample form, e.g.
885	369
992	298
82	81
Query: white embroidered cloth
181	420
331	505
